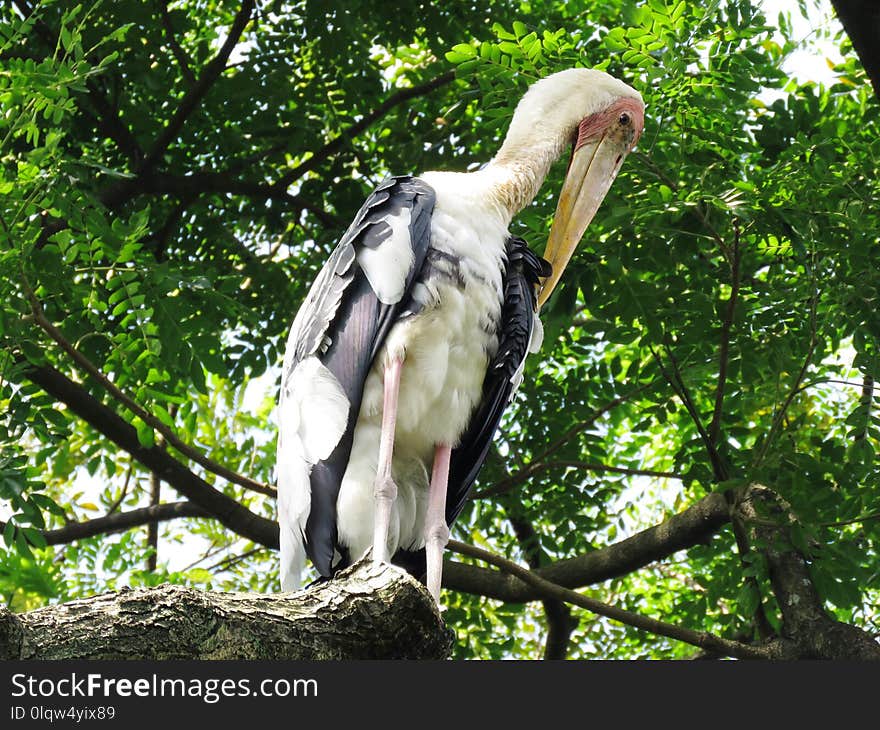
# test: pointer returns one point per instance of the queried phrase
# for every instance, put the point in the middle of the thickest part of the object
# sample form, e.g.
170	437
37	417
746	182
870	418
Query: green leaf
460	52
145	434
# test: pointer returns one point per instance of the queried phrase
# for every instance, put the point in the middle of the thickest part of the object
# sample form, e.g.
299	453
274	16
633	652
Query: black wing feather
524	269
345	324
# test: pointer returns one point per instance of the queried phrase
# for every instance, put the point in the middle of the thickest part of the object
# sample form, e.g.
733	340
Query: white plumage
446	332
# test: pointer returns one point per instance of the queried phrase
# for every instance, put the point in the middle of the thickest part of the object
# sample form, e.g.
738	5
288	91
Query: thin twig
664	178
779	417
855	520
834	381
677	383
118	502
134	407
533	468
234	560
526	471
726	326
587	422
176	49
334	145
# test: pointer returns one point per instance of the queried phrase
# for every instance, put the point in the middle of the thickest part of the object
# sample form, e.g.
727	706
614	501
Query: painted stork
412	338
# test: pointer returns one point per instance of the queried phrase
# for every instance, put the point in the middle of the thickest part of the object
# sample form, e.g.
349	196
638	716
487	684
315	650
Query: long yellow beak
592	169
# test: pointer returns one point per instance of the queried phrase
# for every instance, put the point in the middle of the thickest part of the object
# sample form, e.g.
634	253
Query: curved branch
106	421
548	590
334	145
695	525
134	407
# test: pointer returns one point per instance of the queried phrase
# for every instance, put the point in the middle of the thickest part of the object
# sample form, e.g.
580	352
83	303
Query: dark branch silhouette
107	422
121	521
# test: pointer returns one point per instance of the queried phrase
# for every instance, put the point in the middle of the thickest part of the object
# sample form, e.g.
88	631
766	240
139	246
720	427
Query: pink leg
436	531
385	490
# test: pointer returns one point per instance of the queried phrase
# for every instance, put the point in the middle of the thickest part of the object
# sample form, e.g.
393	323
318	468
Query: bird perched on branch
412	338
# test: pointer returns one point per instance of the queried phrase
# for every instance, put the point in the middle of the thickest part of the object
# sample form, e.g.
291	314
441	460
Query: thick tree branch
367	612
107	422
701	639
806	623
695	525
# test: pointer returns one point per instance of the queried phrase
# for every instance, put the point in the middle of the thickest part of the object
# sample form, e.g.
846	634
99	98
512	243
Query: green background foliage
718	326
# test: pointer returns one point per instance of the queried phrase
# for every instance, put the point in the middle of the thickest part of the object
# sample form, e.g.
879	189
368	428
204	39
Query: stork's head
602	119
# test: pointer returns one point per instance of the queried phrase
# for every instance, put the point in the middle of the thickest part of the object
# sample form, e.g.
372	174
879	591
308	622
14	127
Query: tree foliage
172	176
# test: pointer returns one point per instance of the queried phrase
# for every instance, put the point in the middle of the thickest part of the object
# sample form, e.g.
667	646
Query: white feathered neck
543	126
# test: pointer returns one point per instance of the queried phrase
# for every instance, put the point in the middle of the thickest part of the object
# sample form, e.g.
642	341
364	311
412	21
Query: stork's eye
624	119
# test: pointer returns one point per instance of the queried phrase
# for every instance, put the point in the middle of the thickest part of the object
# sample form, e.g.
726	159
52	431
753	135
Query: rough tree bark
367	613
808	630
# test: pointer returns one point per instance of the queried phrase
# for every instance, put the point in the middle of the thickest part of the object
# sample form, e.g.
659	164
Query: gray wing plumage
352	304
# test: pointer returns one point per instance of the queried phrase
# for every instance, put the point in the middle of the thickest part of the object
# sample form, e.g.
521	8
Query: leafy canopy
172	176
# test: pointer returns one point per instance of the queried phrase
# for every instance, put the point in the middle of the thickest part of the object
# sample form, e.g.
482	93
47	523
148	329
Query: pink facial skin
624	118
